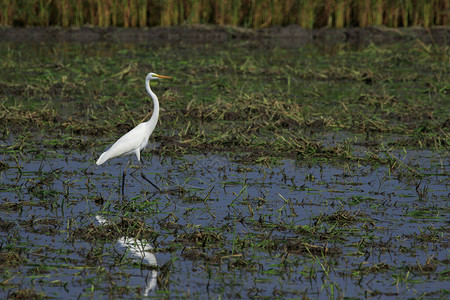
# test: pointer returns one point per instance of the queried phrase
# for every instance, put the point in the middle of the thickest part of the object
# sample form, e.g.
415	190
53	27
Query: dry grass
253	14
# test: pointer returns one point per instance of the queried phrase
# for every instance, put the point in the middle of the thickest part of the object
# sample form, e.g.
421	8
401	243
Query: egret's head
152	76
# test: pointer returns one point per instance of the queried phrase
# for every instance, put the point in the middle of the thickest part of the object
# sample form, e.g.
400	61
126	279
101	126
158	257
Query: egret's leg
123	177
145	177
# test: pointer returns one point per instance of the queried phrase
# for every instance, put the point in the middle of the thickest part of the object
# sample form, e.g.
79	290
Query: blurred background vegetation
246	13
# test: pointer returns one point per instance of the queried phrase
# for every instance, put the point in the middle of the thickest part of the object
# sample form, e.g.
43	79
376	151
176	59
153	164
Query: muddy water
256	217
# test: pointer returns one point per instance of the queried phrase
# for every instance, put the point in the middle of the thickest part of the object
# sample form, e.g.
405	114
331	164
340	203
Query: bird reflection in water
139	250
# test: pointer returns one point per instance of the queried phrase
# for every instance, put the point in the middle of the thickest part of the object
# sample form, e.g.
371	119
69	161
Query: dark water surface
389	225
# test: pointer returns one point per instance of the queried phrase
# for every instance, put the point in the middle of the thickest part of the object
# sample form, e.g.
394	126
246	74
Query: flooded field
319	171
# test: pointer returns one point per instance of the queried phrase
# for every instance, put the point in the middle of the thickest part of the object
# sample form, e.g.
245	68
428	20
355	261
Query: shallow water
399	226
338	224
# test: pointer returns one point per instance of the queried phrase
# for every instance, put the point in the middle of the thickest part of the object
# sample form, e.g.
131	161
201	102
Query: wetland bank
290	170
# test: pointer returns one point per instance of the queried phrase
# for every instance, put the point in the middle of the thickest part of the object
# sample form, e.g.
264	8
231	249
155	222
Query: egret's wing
126	145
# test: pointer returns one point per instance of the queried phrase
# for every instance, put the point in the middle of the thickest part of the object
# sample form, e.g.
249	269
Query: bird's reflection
140	250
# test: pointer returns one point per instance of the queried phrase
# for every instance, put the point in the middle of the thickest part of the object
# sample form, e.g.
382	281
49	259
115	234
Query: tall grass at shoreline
247	13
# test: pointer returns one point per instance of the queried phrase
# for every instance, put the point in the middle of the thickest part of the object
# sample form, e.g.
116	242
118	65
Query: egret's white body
132	142
136	139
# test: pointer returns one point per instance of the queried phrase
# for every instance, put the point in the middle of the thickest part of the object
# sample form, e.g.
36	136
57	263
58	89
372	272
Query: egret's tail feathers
104	157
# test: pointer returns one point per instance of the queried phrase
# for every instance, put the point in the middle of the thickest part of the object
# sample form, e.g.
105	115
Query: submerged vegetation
254	14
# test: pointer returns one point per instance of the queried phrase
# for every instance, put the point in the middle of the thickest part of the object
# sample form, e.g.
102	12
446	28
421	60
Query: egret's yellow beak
162	76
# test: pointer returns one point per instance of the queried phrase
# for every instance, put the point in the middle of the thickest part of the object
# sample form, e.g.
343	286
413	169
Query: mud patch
289	36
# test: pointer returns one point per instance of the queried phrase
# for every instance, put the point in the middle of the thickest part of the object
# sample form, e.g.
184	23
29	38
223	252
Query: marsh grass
280	104
254	14
320	184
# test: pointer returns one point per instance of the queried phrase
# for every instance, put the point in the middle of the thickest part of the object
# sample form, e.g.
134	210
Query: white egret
137	138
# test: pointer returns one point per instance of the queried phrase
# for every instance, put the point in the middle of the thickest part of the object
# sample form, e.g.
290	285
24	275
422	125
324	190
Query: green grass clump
254	14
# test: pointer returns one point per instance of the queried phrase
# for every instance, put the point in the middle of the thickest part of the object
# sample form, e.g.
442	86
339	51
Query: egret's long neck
155	114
